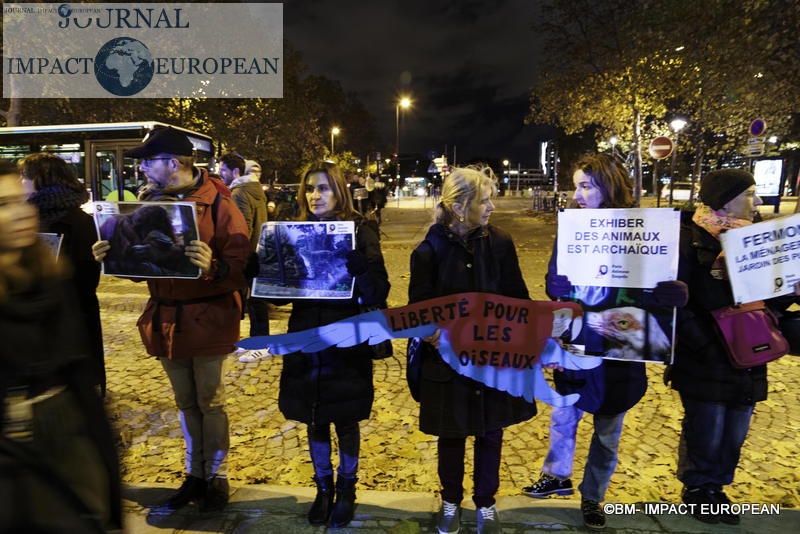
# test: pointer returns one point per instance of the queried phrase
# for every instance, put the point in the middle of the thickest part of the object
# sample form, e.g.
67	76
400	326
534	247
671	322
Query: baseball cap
162	140
251	166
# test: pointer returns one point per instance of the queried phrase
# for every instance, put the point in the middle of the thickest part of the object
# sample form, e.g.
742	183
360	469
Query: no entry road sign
661	147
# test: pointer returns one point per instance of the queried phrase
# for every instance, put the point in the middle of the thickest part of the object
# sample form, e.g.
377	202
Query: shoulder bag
750	334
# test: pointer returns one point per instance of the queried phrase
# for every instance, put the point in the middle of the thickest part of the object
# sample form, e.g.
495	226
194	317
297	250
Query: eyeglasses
149	161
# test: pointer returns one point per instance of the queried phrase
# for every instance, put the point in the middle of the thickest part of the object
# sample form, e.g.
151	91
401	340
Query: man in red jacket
190	325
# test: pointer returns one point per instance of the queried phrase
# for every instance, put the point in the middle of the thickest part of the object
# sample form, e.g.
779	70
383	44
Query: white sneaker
251	356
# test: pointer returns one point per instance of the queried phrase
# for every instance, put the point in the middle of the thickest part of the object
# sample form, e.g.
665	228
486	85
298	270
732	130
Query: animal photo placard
304	260
148	239
624	329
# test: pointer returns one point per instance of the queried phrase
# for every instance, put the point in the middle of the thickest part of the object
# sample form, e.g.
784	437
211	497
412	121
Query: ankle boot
323	504
344	508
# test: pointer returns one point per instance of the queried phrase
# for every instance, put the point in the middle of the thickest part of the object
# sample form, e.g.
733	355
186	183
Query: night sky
467	65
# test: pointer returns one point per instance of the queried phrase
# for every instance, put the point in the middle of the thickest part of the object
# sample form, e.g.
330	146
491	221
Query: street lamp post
677	125
505	171
404	103
334	131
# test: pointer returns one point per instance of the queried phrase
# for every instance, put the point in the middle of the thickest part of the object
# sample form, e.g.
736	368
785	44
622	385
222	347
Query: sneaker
251	356
725	514
549	485
489	520
448	520
593	516
699	496
192	489
217	492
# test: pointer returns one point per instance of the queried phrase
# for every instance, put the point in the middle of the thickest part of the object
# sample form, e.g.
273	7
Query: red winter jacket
200	317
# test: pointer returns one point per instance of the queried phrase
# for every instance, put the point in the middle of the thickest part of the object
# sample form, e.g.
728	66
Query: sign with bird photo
147	239
304	260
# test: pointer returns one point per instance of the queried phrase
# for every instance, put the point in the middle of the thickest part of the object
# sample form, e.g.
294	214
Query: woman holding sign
611	389
461	253
333	386
718	400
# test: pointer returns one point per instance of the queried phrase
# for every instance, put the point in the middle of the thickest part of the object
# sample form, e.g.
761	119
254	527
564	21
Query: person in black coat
59	471
718	400
335	384
58	196
462	252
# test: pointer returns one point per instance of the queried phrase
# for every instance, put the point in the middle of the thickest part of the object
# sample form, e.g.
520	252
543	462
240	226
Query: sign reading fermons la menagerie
763	259
623	247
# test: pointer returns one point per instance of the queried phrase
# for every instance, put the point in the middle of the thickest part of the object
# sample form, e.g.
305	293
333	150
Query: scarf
715	223
53	203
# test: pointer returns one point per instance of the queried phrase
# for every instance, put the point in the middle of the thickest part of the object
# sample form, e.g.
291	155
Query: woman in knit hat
717	399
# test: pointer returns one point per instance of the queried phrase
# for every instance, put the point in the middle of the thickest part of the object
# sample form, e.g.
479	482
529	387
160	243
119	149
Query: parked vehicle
680	191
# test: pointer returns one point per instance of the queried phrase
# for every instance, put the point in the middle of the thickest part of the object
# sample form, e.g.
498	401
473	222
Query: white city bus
94	152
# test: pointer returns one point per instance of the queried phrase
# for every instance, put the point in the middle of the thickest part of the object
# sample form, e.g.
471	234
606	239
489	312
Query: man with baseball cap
190	325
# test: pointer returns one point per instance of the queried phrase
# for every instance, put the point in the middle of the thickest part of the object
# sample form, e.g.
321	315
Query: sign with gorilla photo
148	239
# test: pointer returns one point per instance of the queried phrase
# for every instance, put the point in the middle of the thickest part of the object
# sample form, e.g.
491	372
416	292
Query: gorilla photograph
148	239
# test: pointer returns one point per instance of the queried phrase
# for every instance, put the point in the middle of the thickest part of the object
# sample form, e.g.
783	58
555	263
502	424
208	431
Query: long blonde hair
462	186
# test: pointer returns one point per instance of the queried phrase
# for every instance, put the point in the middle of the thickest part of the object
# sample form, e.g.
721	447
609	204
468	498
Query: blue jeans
602	459
200	397
712	435
319	445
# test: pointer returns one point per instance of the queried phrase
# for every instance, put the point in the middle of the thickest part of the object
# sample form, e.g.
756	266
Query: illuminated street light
677	125
404	103
334	131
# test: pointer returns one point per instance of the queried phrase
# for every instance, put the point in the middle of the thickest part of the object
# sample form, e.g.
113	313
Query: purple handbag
750	334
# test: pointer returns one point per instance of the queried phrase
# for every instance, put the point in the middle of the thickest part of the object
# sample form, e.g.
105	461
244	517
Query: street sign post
758	127
661	147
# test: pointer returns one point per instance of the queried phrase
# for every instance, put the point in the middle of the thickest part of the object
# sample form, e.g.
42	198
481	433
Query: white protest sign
622	247
763	259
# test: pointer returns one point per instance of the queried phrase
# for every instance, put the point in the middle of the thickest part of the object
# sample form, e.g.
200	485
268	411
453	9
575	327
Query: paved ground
271	475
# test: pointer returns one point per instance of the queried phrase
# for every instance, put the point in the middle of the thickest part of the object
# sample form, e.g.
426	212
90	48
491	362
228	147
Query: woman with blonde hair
461	253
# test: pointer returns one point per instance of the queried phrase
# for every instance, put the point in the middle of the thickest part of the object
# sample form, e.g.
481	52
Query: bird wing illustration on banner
500	341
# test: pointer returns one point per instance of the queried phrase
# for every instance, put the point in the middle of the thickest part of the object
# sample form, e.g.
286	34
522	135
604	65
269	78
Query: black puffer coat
701	369
334	385
452	405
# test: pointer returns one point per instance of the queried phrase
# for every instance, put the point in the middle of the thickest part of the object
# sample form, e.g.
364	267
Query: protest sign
304	260
625	247
497	340
148	239
763	259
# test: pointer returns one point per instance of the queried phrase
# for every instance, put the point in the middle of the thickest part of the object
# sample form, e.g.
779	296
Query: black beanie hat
721	186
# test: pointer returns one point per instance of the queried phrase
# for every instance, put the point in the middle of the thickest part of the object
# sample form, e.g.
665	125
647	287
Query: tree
620	65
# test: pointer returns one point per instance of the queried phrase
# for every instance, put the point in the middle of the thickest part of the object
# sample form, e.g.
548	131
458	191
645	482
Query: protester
462	252
249	197
190	325
59	470
335	384
58	195
717	399
606	391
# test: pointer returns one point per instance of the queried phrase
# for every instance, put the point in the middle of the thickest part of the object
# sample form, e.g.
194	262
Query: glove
668	293
558	286
356	263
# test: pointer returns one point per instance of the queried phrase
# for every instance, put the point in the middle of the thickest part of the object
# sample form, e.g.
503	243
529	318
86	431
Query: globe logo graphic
123	66
64	10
